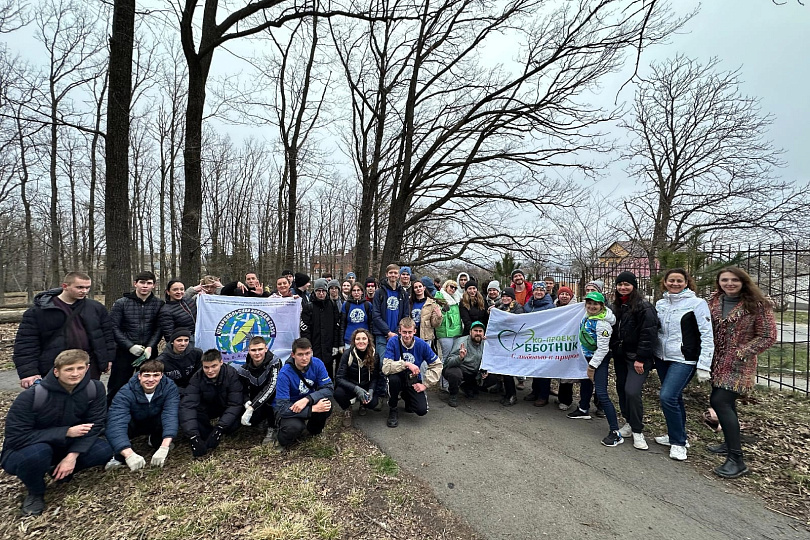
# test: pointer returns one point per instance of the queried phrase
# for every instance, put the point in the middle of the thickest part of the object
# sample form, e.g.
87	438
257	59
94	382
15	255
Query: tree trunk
116	190
54	209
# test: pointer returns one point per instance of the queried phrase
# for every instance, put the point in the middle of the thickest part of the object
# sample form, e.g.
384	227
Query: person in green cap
594	337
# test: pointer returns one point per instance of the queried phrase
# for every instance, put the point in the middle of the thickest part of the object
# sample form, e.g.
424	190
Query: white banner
540	344
227	323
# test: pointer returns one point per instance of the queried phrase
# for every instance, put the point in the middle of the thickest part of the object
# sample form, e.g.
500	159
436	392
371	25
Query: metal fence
782	271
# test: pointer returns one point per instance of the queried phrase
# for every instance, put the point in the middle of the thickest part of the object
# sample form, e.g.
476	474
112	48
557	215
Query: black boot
718	448
733	467
393	417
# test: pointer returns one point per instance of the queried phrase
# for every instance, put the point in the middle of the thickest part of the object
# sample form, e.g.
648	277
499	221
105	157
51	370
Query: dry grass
336	486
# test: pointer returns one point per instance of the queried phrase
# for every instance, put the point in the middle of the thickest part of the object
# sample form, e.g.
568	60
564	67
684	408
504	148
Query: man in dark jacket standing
302	395
320	323
259	376
137	330
390	305
56	423
215	391
180	360
251	288
147	405
62	319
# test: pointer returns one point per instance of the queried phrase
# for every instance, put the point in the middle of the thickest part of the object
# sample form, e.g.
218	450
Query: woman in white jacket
685	343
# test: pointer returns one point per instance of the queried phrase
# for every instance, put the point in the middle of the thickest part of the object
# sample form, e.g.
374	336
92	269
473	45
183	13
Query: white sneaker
625	430
664	440
112	464
639	442
677	452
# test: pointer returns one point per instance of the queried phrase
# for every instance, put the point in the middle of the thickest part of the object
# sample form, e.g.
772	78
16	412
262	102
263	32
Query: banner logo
235	330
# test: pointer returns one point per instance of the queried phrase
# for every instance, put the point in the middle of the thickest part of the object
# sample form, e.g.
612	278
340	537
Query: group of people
360	343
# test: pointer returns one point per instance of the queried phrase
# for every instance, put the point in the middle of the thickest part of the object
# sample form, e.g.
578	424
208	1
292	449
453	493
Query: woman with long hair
418	298
473	307
356	313
451	327
744	326
633	346
358	375
685	343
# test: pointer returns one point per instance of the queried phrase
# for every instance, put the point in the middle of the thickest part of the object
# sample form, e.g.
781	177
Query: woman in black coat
359	376
179	312
633	346
473	307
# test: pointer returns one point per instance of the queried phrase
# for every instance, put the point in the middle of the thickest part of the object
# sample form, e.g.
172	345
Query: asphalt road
525	472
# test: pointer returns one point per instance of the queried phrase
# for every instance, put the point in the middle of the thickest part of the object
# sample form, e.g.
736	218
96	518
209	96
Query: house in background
627	255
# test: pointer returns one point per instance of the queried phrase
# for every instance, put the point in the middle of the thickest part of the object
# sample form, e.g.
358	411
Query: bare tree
700	148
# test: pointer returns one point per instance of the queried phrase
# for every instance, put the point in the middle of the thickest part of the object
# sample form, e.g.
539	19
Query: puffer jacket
40	338
180	367
177	314
472	314
451	326
135	321
635	332
222	396
320	323
594	336
260	381
130	403
685	333
431	318
352	372
541	304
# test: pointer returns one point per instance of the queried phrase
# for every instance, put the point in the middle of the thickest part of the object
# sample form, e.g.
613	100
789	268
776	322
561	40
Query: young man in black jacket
259	376
215	391
62	319
137	331
55	426
180	359
251	288
320	323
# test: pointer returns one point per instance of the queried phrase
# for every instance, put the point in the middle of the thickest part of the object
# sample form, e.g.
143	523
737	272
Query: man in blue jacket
302	395
147	405
390	305
55	426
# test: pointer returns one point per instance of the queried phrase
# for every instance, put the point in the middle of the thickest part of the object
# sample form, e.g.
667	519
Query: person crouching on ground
404	355
302	395
259	376
462	369
55	426
359	376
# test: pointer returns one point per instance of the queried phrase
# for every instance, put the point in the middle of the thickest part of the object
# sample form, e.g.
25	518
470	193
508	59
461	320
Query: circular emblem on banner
237	328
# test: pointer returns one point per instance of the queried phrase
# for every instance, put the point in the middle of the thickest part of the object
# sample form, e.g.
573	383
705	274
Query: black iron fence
782	271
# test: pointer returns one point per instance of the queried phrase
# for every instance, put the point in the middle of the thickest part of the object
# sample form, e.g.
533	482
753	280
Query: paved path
524	472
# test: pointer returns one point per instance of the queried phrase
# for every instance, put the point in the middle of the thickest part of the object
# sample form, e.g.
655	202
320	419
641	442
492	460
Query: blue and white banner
228	323
540	344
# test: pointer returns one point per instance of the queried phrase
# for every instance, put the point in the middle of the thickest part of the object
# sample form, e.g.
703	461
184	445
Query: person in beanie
300	288
493	298
564	296
596	285
371	288
259	378
351	277
334	293
510	305
473	307
320	324
633	346
540	301
522	289
405	277
430	286
180	360
594	338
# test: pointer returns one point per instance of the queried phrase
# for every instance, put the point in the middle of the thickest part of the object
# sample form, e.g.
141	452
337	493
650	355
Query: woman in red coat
744	326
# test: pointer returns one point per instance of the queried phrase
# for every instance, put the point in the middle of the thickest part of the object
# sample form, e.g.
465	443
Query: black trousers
204	417
724	403
457	378
151	427
289	429
344	397
629	385
398	386
122	371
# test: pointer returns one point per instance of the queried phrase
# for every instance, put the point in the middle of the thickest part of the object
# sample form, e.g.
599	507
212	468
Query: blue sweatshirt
419	352
291	388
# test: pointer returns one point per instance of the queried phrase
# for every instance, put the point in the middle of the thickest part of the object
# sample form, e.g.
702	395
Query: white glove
334	351
159	457
248	414
148	352
135	462
137	350
341	349
703	375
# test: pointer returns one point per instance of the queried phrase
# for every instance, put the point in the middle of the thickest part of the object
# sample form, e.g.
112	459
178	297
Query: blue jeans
380	343
674	378
600	381
30	463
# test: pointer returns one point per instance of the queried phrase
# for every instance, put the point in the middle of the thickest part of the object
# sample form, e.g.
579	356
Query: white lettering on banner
228	323
540	344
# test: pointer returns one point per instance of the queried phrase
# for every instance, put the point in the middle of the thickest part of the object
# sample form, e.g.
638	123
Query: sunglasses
452	287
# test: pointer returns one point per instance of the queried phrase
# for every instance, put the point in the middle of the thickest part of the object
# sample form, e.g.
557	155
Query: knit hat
180	332
565	289
429	285
350	275
470	283
494	285
333	283
627	277
478	323
598	283
596	297
541	285
286	272
300	279
517	271
508	291
320	283
405	270
370	281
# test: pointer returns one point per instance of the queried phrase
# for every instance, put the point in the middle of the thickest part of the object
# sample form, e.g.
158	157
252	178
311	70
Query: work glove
361	394
136	350
135	462
335	351
140	360
198	448
248	414
147	351
214	438
159	457
703	375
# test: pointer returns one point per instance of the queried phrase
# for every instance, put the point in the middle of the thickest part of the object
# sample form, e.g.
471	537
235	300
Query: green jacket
451	323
